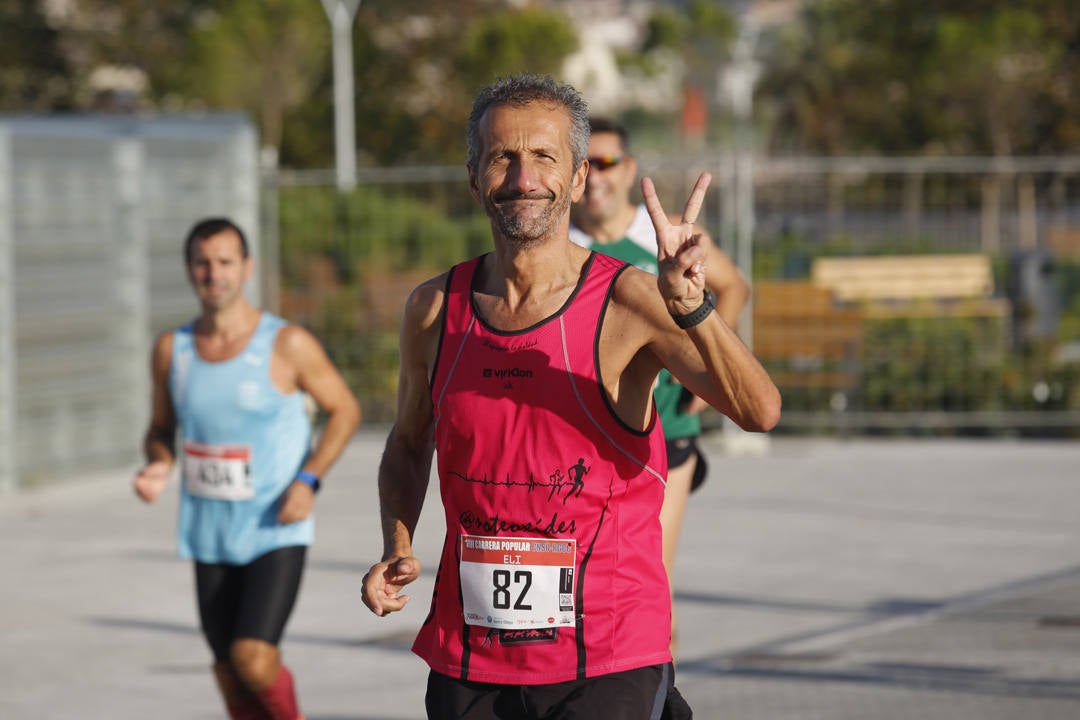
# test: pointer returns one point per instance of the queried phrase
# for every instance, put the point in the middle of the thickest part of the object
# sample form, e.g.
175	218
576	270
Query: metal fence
349	260
92	213
92	216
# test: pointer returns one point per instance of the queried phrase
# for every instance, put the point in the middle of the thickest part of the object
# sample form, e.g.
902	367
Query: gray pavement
820	579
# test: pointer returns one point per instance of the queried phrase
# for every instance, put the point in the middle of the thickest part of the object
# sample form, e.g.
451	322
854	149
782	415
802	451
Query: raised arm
708	357
406	460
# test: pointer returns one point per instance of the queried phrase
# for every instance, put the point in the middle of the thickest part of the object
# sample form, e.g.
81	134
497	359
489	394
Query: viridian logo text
507	373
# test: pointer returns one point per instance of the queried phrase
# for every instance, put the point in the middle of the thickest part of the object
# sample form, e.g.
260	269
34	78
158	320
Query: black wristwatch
696	317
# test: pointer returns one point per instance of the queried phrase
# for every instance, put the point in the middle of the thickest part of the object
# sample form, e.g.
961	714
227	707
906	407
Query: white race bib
220	472
517	583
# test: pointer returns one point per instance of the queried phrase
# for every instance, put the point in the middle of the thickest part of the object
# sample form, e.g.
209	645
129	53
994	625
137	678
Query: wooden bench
1063	241
958	285
803	338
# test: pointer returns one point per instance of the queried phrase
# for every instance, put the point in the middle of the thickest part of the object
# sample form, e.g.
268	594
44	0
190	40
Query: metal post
270	264
738	82
341	14
132	285
8	465
244	166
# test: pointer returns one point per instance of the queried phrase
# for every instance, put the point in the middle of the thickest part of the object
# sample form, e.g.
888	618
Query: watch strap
310	479
696	317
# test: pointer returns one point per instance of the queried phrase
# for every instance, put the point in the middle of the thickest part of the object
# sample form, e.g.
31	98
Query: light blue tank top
242	439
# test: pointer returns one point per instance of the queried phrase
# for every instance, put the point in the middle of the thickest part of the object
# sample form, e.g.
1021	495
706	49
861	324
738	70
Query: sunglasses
605	162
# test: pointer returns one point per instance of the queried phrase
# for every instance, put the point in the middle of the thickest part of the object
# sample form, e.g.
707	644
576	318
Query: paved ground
823	579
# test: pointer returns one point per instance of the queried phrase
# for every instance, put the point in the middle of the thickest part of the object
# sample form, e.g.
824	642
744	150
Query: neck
228	322
522	286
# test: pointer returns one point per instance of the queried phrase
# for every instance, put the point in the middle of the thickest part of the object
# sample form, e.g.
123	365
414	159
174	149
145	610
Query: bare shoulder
296	341
164	342
636	292
425	303
161	355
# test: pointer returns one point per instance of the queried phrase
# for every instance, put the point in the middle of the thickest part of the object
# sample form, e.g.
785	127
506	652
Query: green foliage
702	24
368	358
935	363
34	76
416	76
152	36
264	56
701	35
374	241
946	77
371	230
665	28
527	40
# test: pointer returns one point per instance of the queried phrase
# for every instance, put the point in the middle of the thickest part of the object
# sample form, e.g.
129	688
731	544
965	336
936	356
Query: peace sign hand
680	252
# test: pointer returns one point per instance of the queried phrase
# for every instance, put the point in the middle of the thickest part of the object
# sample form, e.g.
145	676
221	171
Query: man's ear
577	182
474	189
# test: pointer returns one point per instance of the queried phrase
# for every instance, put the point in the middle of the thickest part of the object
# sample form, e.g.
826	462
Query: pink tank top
551	568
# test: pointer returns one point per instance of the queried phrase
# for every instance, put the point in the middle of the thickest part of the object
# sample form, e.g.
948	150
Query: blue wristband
310	478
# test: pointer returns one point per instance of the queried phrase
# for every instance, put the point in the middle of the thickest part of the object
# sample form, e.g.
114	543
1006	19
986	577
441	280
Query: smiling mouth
507	199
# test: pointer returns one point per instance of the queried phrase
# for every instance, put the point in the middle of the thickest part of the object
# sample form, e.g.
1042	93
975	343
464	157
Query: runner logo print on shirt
219	472
517	583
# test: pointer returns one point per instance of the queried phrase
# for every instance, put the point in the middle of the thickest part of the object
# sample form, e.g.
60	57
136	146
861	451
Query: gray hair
521	90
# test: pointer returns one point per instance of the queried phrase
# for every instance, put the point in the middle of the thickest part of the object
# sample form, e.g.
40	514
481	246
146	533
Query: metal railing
349	260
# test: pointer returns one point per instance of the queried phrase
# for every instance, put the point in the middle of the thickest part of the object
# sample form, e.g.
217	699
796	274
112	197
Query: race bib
517	583
220	472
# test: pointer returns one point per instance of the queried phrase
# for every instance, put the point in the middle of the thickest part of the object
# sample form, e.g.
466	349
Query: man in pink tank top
530	370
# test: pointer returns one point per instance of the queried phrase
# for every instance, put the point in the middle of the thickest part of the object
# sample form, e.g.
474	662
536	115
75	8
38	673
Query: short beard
525	233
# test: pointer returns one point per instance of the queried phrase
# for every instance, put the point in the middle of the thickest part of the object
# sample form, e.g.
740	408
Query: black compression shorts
248	601
680	450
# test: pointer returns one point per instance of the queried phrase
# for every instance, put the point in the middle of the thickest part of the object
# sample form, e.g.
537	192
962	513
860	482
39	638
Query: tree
34	75
949	76
416	74
146	40
687	45
262	56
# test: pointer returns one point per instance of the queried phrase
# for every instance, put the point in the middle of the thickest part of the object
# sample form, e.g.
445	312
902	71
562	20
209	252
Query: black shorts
248	601
639	694
679	450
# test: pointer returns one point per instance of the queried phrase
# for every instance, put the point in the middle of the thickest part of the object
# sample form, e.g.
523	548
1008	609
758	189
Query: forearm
403	481
739	386
159	446
339	429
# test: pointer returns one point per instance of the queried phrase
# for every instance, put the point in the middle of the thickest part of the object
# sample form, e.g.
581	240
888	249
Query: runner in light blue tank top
231	386
233	404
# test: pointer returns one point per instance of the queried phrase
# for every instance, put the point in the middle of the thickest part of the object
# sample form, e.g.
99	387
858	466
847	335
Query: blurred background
900	181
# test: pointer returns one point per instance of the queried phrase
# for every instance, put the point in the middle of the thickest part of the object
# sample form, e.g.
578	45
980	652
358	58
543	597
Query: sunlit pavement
816	579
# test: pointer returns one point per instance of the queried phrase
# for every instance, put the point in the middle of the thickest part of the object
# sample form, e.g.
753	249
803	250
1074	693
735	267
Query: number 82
500	597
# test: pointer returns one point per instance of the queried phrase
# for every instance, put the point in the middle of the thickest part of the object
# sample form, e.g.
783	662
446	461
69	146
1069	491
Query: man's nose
524	176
